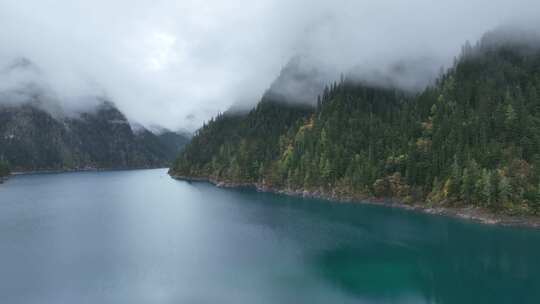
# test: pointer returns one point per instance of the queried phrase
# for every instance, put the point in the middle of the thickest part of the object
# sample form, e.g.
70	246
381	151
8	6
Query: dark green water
141	237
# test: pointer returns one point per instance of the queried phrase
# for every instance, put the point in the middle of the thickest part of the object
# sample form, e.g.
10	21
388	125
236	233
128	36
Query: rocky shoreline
476	214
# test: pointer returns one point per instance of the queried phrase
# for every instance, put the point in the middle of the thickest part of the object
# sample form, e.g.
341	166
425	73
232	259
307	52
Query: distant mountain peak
510	36
22	63
157	129
298	82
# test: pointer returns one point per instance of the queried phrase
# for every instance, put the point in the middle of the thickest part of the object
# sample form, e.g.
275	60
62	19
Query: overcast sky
177	63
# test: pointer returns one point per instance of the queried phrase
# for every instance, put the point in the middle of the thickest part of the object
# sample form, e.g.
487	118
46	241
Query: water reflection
389	255
141	237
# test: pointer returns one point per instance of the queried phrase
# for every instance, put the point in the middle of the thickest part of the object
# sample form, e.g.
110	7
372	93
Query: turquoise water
142	237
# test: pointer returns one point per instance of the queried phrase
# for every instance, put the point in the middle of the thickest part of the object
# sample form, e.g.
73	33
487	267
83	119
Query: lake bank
75	170
471	213
71	170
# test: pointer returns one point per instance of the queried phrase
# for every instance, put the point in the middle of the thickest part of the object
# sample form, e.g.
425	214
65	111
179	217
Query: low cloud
177	63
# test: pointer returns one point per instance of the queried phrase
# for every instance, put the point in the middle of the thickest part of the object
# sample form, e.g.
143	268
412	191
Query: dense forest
4	169
470	138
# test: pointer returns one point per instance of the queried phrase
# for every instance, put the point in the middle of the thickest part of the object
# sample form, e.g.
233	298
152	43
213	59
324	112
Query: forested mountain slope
31	138
40	131
471	138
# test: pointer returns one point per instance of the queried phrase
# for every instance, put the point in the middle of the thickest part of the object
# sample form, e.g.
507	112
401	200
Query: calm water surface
142	237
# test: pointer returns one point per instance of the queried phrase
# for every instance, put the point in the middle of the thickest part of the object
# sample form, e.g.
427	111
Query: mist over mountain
33	137
522	38
23	82
178	63
298	82
301	81
469	139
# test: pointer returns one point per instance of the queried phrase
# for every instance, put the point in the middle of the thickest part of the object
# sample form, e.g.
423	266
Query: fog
177	63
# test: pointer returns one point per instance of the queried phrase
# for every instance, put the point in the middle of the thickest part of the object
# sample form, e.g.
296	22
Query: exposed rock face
33	139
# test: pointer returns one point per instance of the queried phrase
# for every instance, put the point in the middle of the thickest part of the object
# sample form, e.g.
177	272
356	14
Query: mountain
41	131
472	139
162	142
31	138
298	82
173	142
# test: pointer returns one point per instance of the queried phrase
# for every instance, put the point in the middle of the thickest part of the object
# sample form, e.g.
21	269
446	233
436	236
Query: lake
142	237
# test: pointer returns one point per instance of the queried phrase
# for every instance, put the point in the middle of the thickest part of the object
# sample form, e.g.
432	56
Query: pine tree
485	188
495	201
467	186
535	203
505	190
454	185
326	171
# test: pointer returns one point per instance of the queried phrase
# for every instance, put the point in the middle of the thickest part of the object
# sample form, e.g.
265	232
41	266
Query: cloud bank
177	63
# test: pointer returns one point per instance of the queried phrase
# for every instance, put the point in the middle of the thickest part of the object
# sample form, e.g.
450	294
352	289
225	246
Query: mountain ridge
43	131
32	139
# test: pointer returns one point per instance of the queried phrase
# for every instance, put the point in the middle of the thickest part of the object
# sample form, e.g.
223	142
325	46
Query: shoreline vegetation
4	171
460	211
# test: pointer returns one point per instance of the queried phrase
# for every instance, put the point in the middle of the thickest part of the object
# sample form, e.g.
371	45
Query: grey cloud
162	61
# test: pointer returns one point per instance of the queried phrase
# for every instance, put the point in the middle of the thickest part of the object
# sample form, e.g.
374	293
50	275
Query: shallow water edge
471	213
